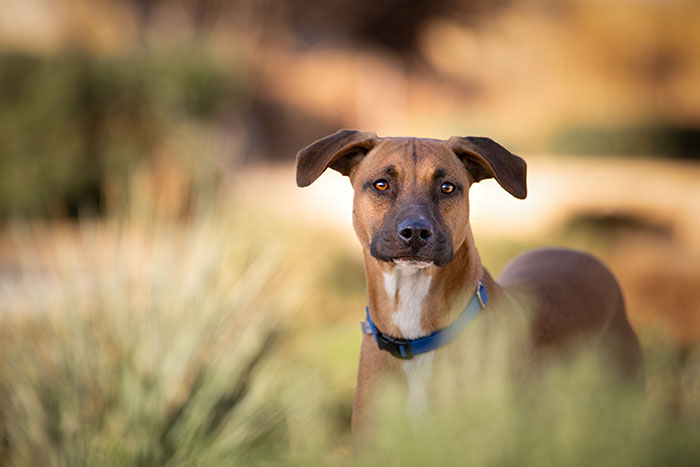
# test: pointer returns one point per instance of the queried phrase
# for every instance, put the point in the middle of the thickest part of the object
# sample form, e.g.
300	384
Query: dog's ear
484	158
339	151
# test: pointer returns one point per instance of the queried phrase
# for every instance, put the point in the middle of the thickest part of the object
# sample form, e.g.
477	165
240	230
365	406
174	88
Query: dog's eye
381	185
447	188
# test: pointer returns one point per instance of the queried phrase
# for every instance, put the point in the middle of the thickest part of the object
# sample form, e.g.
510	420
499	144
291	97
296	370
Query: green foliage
653	139
570	413
72	122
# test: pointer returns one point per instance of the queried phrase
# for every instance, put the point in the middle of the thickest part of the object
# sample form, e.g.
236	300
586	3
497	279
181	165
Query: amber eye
447	188
381	185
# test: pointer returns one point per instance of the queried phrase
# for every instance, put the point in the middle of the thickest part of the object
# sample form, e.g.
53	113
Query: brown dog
411	215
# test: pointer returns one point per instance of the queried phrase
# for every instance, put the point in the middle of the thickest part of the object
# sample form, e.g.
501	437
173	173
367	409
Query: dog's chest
408	287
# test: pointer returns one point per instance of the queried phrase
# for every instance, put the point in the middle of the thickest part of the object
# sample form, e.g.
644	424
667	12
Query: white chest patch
408	286
418	371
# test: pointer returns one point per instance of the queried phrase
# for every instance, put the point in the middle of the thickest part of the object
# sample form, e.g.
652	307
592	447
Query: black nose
415	232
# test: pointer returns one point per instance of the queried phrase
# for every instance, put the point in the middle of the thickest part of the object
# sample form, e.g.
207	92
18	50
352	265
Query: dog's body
411	215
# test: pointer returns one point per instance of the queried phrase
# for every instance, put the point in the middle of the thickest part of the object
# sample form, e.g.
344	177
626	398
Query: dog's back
575	296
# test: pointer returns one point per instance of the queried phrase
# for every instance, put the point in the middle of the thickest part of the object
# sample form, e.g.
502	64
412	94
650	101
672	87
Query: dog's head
411	194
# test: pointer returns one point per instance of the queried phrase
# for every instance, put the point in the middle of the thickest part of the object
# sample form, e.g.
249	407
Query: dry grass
144	340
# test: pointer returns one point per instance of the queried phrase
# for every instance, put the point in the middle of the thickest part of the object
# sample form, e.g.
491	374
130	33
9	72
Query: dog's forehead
422	155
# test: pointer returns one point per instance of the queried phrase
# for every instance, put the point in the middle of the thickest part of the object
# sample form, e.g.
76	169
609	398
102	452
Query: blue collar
405	349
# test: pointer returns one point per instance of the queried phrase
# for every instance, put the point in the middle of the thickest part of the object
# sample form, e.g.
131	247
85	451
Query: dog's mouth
406	258
437	252
417	262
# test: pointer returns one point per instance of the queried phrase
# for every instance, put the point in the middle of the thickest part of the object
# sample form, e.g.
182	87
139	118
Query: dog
425	279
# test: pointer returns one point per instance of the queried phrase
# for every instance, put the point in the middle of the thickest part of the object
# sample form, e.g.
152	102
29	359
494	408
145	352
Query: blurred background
151	232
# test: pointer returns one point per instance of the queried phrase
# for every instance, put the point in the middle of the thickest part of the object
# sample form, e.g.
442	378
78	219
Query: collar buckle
399	348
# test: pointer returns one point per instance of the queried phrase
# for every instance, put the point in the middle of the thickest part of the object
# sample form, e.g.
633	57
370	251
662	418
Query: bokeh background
167	294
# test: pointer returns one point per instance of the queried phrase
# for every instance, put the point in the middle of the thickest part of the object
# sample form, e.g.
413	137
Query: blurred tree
201	13
70	123
394	25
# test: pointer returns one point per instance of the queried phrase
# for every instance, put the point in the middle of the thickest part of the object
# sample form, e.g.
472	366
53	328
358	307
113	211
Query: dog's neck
410	301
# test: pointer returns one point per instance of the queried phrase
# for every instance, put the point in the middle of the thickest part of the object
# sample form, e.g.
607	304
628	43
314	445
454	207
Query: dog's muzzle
412	239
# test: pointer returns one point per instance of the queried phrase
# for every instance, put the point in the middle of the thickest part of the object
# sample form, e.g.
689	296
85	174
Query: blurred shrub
662	140
69	123
144	344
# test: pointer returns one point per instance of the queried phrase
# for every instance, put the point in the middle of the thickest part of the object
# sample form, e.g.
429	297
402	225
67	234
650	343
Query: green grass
232	339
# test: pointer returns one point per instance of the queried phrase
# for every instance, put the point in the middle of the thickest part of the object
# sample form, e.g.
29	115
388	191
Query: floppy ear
340	151
484	158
